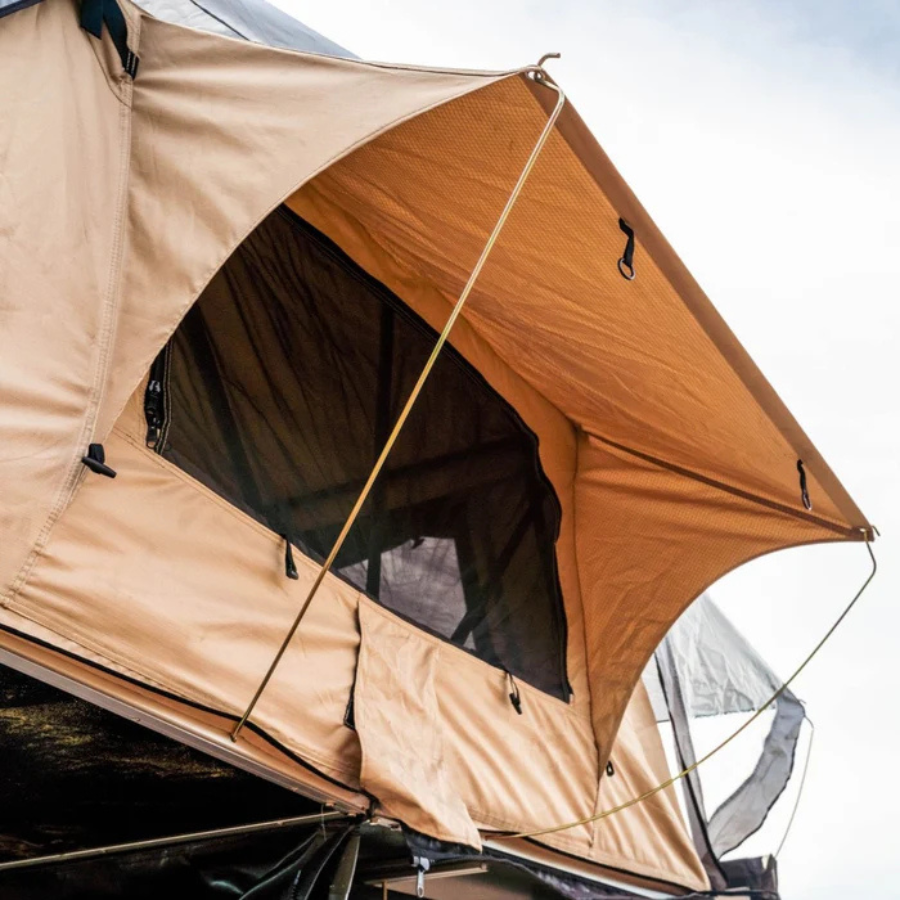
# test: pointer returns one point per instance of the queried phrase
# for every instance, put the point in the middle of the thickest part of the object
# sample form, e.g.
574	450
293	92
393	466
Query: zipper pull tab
153	412
514	696
290	568
155	400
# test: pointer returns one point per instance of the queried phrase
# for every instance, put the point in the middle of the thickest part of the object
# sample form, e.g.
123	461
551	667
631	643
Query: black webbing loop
609	769
94	13
290	568
95	460
804	492
514	696
627	259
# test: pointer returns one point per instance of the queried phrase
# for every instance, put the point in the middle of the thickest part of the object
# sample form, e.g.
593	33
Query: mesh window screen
281	386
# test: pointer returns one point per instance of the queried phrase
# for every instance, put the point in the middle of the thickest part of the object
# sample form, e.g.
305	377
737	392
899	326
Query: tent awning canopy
129	201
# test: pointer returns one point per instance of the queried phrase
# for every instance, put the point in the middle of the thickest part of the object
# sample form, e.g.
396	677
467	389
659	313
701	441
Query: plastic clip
95	460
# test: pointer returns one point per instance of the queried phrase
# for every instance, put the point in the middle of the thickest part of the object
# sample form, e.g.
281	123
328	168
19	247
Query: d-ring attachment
629	275
626	262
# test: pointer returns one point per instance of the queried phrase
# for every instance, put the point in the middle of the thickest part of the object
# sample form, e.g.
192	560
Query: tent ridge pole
541	77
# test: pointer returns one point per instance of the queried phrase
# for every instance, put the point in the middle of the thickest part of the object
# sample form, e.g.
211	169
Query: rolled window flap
401	732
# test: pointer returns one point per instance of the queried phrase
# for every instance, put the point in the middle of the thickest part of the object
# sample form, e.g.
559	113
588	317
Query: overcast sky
764	138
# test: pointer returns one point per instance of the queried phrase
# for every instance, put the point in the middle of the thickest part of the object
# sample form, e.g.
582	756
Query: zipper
156	401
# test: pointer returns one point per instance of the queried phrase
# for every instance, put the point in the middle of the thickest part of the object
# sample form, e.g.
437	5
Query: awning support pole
542	78
173	840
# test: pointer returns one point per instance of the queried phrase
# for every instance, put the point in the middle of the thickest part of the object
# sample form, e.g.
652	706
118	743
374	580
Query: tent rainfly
223	267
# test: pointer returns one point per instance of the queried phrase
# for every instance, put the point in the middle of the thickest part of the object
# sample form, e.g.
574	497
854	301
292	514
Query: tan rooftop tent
222	267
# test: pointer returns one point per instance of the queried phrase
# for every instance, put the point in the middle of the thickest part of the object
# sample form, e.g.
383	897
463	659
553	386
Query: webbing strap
94	13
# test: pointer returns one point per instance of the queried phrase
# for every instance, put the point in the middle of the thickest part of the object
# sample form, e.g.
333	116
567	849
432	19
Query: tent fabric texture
223	266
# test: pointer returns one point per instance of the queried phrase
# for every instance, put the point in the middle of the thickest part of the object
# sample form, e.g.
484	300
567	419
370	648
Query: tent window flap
280	388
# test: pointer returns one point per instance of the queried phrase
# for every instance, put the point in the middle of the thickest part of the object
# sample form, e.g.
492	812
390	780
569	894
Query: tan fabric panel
165	713
223	131
541	766
626	360
585	146
650	838
651	541
146	204
193	601
398	721
64	157
172	585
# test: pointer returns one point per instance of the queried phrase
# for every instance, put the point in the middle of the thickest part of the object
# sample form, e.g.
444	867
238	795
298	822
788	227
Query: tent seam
75	475
847	531
587	664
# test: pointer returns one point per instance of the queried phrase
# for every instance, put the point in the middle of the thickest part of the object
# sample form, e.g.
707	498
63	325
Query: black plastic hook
514	696
290	567
95	460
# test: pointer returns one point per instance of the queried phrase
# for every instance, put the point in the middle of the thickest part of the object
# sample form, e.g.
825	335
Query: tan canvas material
400	729
672	458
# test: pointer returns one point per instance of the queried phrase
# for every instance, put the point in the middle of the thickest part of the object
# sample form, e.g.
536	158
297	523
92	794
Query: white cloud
765	141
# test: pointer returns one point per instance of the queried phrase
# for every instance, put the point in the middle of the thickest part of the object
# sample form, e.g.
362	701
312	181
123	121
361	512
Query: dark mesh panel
284	381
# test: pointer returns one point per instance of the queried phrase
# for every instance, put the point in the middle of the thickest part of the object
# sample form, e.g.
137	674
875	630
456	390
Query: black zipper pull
153	412
290	569
609	768
514	696
155	400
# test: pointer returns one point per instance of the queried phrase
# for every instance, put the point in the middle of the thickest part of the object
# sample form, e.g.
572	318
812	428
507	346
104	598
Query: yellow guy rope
606	813
541	77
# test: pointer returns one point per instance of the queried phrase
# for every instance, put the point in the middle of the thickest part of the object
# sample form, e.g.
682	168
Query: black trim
580	859
96	13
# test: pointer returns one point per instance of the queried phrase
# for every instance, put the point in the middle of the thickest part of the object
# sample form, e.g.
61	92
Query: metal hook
537	71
